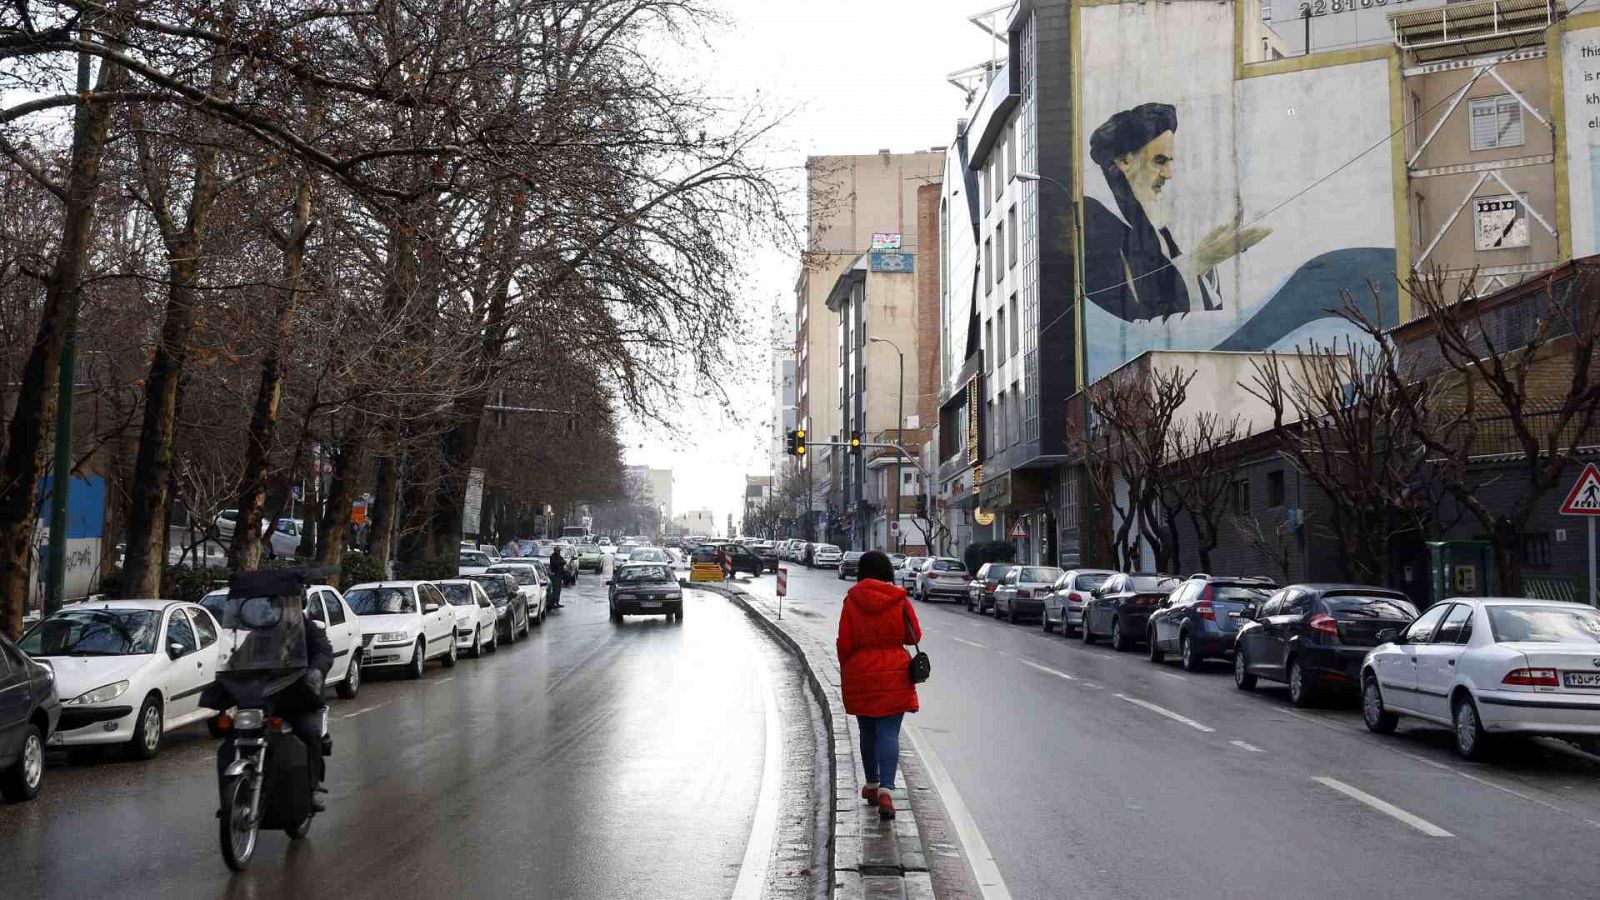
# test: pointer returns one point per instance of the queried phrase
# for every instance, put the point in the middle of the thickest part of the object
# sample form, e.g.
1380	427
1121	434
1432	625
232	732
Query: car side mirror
430	608
1388	636
174	650
608	582
1250	611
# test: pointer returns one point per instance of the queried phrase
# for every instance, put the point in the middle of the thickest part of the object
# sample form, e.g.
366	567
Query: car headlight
391	636
103	694
676	595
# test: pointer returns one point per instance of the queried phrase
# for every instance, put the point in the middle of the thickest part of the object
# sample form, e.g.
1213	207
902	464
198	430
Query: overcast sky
857	77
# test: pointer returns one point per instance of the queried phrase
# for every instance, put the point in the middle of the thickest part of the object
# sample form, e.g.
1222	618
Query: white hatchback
403	623
127	671
477	618
1486	667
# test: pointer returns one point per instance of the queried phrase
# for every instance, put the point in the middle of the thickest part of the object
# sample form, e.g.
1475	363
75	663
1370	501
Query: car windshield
474	558
1544	624
457	594
1345	606
912	562
494	586
649	554
588	550
381	601
644	575
523	574
854	554
1153	582
94	632
949	565
1039	575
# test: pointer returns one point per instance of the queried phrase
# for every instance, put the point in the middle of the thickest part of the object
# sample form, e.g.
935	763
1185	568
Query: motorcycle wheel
237	823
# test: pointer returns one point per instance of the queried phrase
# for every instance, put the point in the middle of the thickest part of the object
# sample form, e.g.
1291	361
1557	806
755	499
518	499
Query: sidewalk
871	858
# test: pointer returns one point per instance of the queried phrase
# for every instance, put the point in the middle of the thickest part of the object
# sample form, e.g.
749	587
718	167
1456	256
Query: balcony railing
1481	26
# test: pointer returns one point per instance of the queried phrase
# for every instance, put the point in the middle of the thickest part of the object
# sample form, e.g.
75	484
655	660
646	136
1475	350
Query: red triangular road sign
1017	531
1584	498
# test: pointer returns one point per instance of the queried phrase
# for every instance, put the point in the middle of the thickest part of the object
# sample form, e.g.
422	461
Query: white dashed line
1383	806
1172	675
970	643
1161	711
441	681
1047	670
366	709
1245	745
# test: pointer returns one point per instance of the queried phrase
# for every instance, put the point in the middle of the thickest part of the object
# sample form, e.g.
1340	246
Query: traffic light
796	442
855	442
788	442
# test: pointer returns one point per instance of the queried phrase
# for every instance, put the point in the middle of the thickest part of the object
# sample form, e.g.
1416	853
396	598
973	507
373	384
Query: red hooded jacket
877	624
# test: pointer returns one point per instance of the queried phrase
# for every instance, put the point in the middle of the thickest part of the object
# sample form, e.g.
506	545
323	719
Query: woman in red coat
877	624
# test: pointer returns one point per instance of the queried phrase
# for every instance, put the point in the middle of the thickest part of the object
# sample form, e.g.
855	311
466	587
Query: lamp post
899	433
1080	321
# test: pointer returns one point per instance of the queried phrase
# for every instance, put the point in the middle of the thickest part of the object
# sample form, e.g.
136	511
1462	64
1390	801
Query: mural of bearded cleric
1133	267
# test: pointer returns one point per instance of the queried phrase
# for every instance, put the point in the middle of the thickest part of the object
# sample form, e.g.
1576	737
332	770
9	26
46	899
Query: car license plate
649	604
1581	680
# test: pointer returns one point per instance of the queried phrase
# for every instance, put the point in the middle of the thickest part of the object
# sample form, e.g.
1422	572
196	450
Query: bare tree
1202	449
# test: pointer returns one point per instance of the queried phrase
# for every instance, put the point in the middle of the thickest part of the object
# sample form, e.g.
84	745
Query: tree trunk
459	447
347	465
310	510
385	507
35	413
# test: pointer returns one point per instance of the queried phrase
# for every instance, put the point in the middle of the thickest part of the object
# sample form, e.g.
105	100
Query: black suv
740	558
1202	617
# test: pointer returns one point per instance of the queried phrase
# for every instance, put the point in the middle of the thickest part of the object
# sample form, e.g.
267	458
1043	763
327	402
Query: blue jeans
880	747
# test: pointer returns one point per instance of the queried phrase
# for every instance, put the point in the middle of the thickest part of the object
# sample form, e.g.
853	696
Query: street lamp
899	433
1082	337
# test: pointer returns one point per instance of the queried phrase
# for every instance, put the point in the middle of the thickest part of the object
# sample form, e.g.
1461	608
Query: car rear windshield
1544	624
1345	606
474	558
644	575
1090	582
948	565
494	586
854	554
458	594
523	574
1153	582
94	632
381	601
1234	593
1039	574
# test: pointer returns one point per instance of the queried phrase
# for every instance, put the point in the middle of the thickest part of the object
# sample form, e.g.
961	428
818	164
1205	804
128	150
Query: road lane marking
984	870
764	830
1383	806
969	643
363	710
1246	745
1172	675
1162	711
441	681
1047	670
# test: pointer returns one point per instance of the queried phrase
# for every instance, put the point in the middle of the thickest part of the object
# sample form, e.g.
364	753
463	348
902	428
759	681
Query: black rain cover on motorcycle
266	611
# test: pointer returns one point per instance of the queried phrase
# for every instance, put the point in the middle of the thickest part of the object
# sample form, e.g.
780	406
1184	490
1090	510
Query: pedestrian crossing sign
1584	498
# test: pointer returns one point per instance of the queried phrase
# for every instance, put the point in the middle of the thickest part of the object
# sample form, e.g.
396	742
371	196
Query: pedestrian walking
558	575
874	629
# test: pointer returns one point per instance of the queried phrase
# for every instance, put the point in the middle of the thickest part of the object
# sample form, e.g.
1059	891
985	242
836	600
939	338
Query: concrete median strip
1383	806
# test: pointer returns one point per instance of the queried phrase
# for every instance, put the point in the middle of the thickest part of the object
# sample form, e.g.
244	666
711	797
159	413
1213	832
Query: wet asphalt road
1083	784
590	761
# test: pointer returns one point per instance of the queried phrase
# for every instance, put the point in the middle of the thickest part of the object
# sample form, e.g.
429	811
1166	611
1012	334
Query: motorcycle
265	771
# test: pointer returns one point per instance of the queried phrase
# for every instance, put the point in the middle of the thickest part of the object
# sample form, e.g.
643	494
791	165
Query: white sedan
477	618
1486	667
403	623
326	605
127	671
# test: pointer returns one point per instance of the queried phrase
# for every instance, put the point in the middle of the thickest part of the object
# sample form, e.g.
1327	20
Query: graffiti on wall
1199	231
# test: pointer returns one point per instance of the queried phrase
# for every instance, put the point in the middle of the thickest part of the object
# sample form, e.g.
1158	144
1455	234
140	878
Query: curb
867	857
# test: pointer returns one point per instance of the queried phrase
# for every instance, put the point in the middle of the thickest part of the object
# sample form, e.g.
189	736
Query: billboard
1223	213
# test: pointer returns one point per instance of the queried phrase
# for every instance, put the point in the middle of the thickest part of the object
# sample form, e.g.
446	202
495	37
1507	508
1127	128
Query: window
1016	323
1496	122
1536	549
204	626
988	344
988	265
1275	488
1273	604
180	632
1011	229
1457	627
1421	631
1000	243
1239	496
1297	603
314	608
1000	336
1002	428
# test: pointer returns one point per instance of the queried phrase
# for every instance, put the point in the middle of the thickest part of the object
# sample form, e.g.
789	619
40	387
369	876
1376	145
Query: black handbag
921	666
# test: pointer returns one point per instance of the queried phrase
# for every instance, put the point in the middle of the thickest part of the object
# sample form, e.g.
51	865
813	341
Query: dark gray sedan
29	712
645	589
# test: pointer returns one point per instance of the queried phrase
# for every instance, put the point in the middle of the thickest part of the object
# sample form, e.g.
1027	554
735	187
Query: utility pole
66	380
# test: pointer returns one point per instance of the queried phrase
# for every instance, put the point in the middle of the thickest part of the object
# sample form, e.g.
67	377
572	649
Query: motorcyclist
305	718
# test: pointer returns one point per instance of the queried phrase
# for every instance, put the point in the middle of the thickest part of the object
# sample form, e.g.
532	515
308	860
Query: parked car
797	551
1201	618
533	581
1486	667
825	556
942	577
648	589
473	562
1022	592
1121	606
849	563
905	573
477	620
513	616
30	712
1315	637
1063	606
129	670
980	590
404	623
326	605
